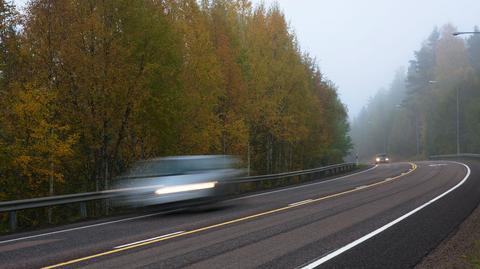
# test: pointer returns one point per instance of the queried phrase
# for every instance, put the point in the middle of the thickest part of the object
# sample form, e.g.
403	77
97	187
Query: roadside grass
473	258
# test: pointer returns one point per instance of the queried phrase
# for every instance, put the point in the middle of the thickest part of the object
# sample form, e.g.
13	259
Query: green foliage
96	85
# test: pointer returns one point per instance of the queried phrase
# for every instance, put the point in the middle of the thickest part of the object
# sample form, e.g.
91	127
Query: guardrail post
12	219
83	210
107	205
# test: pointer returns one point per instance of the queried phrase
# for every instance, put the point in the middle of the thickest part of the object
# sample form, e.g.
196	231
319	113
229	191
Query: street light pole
458	124
417	134
465	33
417	128
458	106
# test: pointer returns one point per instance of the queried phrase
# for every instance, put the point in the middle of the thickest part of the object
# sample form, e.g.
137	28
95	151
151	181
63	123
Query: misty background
360	44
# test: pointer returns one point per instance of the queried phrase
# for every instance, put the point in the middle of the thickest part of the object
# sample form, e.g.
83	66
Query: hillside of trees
88	87
417	116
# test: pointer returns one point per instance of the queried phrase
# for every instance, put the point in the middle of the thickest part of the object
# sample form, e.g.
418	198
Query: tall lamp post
465	33
457	92
417	129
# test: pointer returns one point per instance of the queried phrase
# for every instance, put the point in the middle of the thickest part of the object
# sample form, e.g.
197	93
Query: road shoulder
460	249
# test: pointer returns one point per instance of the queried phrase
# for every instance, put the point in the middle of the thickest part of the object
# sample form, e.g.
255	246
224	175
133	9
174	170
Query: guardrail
450	156
310	172
82	198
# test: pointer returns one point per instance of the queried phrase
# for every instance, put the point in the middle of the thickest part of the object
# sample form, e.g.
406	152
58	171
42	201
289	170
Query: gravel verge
461	249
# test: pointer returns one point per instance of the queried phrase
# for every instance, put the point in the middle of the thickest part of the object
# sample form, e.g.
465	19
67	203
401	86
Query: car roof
187	157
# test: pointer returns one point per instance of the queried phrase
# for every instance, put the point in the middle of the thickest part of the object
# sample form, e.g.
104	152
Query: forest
88	87
416	116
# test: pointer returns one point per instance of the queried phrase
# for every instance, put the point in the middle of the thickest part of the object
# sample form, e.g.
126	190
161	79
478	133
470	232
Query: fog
360	44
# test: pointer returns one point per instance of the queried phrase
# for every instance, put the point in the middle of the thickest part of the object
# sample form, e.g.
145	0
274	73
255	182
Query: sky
359	44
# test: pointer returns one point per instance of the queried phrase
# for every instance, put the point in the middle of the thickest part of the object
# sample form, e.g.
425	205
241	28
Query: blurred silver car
175	179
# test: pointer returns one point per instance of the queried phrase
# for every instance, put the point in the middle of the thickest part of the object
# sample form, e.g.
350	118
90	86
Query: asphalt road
389	216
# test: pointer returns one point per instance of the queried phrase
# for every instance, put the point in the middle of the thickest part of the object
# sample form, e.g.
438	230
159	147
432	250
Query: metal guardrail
312	172
450	156
13	206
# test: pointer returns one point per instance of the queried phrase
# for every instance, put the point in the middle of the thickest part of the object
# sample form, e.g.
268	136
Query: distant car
381	158
180	178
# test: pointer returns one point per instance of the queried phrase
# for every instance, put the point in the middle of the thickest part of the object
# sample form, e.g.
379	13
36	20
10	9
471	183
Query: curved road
389	216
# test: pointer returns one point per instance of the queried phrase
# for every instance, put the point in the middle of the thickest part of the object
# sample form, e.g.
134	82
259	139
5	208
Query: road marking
149	239
414	166
84	227
165	212
361	187
301	202
385	227
438	164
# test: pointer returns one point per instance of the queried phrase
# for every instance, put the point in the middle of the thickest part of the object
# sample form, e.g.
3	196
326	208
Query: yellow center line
413	167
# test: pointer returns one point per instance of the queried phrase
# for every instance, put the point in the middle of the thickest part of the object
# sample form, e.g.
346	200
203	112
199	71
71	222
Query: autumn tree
227	30
89	87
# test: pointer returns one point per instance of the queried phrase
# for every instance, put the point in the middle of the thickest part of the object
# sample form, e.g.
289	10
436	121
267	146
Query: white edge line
385	227
83	227
301	202
437	164
149	239
159	213
304	185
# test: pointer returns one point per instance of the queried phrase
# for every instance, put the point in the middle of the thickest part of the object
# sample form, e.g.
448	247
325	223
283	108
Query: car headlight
184	188
377	159
386	159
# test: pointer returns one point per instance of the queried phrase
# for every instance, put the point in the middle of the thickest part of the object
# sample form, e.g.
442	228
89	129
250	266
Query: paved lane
287	228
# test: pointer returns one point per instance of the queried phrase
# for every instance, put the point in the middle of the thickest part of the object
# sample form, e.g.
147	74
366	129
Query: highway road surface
389	216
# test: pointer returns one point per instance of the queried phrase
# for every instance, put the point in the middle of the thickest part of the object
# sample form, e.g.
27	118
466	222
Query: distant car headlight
386	159
184	188
377	159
